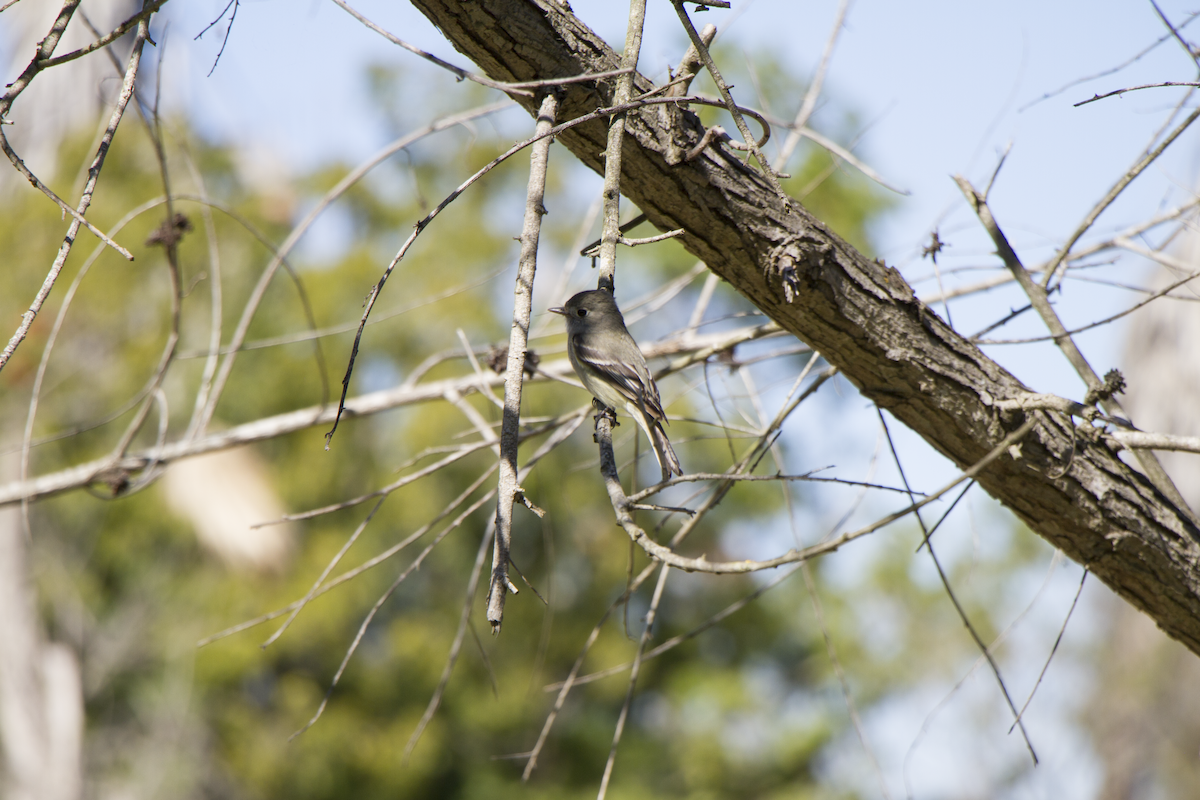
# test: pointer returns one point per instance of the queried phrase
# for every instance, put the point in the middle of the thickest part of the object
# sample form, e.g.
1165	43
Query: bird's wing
635	387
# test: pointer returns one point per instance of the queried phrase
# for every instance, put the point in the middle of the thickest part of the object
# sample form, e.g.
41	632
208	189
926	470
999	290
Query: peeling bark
860	314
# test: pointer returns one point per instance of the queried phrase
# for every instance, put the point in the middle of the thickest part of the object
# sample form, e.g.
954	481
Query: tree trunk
859	314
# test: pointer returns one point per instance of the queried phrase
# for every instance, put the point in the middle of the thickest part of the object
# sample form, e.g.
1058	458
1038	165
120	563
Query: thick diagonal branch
860	314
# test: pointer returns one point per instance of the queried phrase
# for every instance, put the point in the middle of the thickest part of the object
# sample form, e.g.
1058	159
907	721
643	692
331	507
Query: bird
611	366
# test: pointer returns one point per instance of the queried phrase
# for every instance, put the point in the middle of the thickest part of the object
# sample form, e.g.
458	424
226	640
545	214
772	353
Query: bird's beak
558	310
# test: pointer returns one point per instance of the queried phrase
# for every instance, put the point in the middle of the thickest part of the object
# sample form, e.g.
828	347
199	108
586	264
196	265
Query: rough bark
860	314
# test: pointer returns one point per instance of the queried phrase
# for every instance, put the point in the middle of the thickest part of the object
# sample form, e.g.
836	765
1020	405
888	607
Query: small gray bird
612	368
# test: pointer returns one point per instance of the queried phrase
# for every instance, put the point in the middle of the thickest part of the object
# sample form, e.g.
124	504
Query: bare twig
841	152
1057	263
558	438
446	65
560	434
1151	297
993	647
45	50
655	599
1187	48
732	107
85	201
569	683
333	562
456	645
374	561
612	152
216	304
671	558
1136	57
1053	650
379	604
235	4
594	249
1119	92
518	341
962	614
814	90
277	260
39	377
116	33
675	641
1038	297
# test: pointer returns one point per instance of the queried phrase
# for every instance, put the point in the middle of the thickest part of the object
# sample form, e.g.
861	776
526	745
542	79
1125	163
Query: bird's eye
582	312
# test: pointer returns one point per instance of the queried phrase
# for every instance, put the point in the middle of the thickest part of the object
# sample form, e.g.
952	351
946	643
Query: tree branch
859	313
514	376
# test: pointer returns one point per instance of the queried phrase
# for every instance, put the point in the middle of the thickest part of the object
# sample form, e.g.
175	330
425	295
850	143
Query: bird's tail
663	451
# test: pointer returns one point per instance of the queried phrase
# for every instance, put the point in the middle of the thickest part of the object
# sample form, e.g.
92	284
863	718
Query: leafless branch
814	90
1053	650
1135	58
235	4
611	193
1038	297
1057	263
594	250
93	172
962	614
732	107
655	599
116	33
518	341
1119	92
285	249
456	645
668	556
1152	296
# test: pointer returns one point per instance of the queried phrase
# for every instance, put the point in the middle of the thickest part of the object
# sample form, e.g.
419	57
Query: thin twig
671	558
1136	57
734	111
277	260
85	201
1057	263
1038	297
814	89
456	645
962	614
1000	639
675	234
362	629
633	676
1118	92
116	33
1151	297
611	192
675	641
236	4
514	377
27	441
446	65
1053	650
